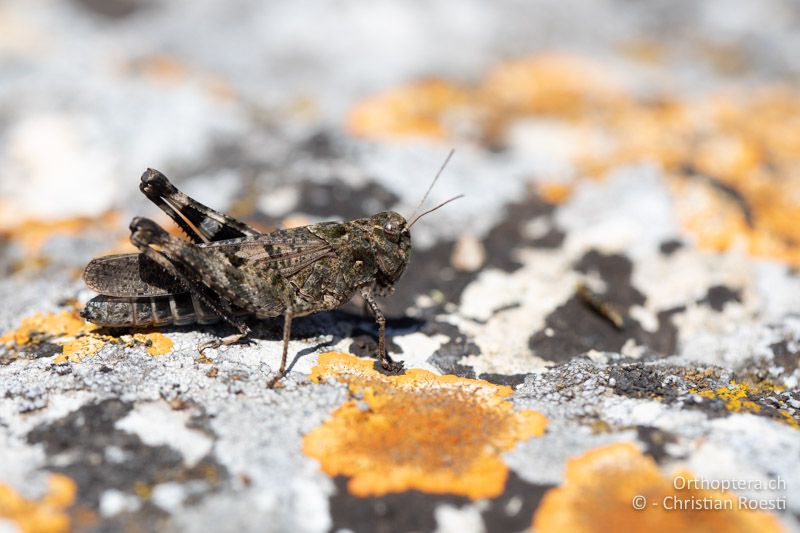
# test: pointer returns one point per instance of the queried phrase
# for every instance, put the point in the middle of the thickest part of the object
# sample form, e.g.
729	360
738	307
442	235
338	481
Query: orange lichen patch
46	515
731	160
417	109
554	83
437	434
554	193
792	420
33	234
77	350
51	325
156	343
717	222
653	131
752	148
600	487
745	398
79	339
735	397
741	146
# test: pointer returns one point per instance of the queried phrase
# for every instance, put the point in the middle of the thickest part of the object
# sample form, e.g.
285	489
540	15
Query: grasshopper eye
392	231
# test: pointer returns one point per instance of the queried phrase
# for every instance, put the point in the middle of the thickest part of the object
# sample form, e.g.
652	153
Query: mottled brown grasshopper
230	271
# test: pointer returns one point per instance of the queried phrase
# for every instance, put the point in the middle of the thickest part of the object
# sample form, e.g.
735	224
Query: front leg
386	361
293	309
287	333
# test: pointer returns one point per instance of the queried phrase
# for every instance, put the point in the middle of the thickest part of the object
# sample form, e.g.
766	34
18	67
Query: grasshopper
231	271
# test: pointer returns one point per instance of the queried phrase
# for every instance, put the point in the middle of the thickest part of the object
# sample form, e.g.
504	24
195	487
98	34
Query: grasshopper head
392	240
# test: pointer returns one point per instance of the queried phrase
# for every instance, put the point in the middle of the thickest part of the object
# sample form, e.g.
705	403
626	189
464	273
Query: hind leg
251	286
199	222
154	242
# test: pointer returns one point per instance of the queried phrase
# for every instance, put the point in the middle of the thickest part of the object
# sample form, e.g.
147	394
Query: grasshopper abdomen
132	312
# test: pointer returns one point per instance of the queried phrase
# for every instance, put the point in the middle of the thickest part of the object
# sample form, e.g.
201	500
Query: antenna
435	208
452	151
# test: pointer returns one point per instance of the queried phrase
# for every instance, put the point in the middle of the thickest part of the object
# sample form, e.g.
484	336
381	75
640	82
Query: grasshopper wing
287	252
130	275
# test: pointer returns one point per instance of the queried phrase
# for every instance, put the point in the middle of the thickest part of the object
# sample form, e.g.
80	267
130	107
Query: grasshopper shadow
330	326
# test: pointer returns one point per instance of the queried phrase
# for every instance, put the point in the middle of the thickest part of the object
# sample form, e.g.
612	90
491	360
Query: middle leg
287	333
